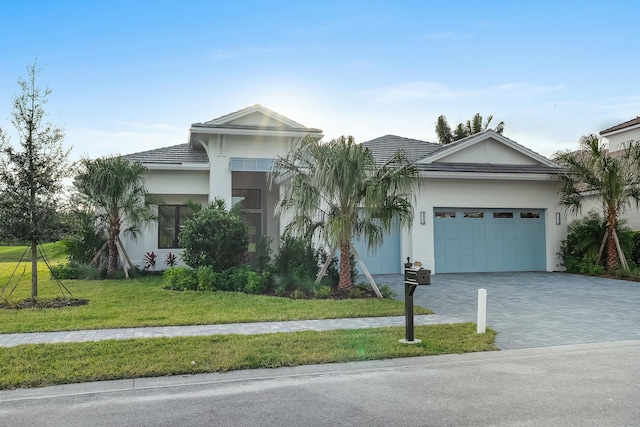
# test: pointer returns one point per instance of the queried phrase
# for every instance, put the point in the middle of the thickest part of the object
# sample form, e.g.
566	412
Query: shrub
207	278
181	279
150	260
324	292
579	250
65	271
74	270
171	260
247	281
215	237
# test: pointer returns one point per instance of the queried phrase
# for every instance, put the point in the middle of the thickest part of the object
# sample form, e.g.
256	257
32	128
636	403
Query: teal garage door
385	259
483	240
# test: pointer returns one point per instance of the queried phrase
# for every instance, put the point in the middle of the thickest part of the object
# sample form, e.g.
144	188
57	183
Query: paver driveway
535	309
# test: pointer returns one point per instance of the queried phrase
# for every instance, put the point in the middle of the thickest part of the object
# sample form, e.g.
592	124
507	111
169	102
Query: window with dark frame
529	215
170	222
503	215
250	198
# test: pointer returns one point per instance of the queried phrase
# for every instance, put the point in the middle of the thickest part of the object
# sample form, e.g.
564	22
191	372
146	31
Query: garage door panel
476	240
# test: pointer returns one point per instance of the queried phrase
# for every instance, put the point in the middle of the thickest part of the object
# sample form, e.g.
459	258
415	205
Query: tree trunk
345	268
612	252
34	269
112	265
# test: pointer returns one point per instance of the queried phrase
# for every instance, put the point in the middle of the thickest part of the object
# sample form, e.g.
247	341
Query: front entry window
170	221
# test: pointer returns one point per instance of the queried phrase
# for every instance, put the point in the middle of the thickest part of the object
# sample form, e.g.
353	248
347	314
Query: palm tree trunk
112	265
344	285
612	251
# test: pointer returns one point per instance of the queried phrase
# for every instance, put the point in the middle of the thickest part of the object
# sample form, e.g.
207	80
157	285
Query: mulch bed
52	303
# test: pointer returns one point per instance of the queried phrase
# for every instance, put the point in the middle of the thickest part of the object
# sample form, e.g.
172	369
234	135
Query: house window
445	214
473	214
247	198
170	222
529	215
503	214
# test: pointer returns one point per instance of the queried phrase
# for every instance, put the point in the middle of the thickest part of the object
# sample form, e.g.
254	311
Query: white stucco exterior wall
483	193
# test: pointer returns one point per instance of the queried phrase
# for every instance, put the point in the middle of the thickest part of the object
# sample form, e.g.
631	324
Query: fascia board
492	176
177	166
615	132
252	132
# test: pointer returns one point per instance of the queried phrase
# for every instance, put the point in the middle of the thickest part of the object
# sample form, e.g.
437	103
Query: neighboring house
617	137
484	203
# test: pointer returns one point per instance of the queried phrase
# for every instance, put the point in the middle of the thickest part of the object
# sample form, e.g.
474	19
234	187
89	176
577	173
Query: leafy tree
613	178
336	191
463	130
113	189
31	176
215	237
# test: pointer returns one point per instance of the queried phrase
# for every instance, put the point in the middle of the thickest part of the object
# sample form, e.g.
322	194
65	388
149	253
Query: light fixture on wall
423	217
557	218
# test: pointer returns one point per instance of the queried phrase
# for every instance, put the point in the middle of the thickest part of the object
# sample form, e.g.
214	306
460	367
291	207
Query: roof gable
254	117
488	147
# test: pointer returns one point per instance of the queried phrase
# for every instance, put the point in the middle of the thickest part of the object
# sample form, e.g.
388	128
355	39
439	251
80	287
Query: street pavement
571	356
576	385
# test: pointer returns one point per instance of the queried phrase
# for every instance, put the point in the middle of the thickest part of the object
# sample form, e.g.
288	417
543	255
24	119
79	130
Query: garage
489	240
385	259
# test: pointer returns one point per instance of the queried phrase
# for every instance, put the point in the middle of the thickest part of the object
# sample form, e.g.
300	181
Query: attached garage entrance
483	240
385	259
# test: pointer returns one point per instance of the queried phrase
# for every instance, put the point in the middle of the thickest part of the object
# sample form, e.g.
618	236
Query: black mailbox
416	275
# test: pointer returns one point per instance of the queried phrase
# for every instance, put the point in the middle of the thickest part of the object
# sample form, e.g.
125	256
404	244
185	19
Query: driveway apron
535	309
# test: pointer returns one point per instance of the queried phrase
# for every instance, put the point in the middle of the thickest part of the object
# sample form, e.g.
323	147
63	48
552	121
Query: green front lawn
144	302
48	364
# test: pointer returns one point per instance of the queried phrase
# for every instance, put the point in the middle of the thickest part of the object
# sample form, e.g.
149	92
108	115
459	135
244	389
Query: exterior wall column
220	183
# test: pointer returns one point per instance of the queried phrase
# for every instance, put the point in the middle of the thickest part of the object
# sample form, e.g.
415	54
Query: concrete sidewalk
10	340
587	384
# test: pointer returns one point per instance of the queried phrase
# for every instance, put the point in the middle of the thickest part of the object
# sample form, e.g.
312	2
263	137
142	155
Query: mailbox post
414	276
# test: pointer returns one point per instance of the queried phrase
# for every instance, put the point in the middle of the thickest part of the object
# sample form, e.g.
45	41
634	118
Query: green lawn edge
145	303
37	365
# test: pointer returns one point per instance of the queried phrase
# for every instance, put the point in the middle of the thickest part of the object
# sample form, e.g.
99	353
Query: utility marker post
482	311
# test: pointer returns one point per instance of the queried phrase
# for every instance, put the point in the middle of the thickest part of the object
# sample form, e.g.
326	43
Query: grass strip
144	302
36	365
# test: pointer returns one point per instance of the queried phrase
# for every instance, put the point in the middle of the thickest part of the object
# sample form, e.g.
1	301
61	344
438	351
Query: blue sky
129	76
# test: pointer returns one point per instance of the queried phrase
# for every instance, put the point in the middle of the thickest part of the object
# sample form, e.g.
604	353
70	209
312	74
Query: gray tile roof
176	154
621	126
385	147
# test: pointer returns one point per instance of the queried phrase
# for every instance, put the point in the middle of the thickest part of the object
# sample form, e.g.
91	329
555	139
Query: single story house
484	203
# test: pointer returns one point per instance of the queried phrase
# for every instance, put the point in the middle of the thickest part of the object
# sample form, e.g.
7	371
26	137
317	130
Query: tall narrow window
170	221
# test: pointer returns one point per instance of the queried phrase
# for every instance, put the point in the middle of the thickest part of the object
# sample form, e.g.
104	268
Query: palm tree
114	188
612	177
337	192
463	130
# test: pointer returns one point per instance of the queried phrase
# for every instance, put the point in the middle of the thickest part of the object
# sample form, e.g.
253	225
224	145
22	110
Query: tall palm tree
612	177
114	188
337	192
